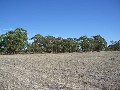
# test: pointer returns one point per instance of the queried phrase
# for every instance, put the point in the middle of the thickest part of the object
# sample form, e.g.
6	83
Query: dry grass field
65	71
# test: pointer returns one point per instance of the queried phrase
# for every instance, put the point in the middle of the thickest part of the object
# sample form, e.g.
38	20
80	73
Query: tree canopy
13	41
16	41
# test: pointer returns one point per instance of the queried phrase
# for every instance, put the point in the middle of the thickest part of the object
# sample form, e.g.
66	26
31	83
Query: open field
68	71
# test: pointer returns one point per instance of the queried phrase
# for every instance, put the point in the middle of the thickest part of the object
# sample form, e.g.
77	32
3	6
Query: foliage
13	41
115	46
16	41
99	43
86	43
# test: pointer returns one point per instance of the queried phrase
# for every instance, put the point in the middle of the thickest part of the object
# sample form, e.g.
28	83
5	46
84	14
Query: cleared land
68	71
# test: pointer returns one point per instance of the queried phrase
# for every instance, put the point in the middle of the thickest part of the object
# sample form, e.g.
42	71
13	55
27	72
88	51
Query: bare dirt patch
68	71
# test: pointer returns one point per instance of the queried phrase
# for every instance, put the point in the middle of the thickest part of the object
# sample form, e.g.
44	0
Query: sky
62	18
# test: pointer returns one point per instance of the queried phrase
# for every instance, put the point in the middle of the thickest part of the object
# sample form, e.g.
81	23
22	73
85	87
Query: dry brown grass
68	71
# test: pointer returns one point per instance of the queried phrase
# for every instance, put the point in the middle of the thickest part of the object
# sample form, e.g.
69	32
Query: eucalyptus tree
38	43
99	43
21	38
2	43
72	45
10	42
6	42
13	41
50	43
115	46
84	44
58	45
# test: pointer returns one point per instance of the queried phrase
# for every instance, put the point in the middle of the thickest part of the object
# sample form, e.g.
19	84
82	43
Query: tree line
16	41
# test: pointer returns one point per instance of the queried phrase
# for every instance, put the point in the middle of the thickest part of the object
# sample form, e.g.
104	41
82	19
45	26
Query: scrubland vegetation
16	41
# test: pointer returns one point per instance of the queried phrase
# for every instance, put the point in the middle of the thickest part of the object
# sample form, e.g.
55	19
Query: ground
65	71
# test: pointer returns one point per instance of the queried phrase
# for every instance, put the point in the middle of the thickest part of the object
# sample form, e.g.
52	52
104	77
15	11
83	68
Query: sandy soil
68	71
